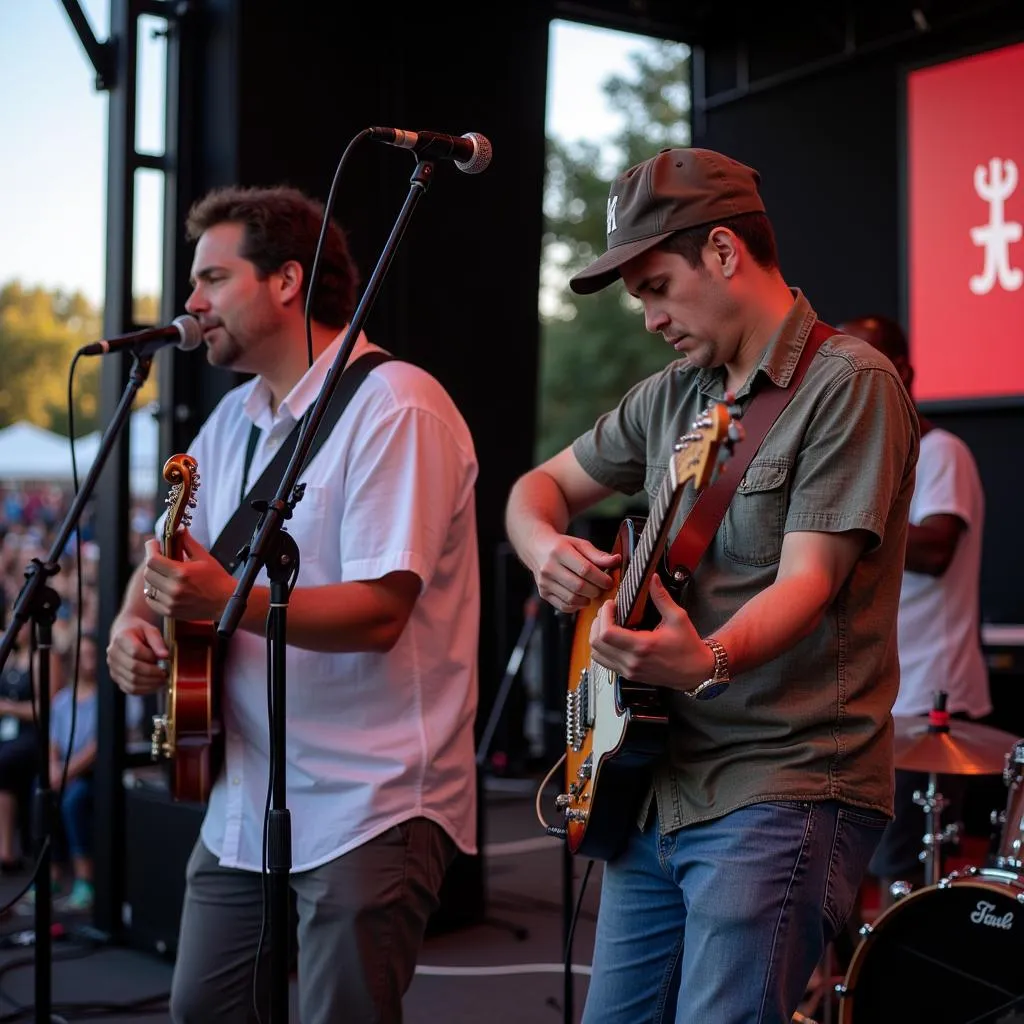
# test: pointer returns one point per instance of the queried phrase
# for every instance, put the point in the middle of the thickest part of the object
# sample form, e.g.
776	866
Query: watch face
712	691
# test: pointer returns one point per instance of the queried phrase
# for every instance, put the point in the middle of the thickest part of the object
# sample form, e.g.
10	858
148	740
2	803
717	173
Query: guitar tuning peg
736	432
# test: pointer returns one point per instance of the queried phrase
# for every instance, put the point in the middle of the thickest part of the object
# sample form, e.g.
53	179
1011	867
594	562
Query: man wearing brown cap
764	807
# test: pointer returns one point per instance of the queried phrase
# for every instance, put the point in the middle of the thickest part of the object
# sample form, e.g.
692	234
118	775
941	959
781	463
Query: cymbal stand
934	803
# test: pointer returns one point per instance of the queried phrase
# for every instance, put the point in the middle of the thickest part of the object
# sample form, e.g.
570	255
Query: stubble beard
226	353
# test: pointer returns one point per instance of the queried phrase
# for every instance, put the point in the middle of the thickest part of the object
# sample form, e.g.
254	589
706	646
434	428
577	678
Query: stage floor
506	969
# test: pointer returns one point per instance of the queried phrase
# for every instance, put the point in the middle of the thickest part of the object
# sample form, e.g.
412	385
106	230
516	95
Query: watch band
719	680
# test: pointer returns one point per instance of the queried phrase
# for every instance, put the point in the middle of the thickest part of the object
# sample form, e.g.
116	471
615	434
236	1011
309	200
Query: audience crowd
30	521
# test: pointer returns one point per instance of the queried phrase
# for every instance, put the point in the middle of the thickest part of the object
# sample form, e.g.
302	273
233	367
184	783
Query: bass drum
951	953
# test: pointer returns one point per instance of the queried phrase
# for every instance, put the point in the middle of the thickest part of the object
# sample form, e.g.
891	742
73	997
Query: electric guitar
615	727
188	732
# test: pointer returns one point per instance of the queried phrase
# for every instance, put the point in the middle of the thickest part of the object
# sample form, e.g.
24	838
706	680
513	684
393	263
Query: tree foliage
40	331
594	347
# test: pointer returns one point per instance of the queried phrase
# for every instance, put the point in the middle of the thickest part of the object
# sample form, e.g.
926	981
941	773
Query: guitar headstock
701	452
182	473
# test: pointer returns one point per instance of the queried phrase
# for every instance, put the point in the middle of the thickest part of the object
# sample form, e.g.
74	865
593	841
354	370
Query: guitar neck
169	549
634	583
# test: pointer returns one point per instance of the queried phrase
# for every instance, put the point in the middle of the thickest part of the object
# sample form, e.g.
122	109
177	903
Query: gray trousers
361	921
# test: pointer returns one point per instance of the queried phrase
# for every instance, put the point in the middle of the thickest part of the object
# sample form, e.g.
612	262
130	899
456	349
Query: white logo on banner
995	184
612	203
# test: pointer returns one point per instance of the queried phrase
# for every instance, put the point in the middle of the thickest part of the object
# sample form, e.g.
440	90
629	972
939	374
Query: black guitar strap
229	546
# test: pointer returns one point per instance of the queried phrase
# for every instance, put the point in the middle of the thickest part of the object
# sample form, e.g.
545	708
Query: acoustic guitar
188	732
615	727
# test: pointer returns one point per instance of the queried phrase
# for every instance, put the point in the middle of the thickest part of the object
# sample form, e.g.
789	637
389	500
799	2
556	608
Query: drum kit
951	952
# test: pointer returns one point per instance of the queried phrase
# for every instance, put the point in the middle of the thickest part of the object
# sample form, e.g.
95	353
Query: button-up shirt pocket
755	523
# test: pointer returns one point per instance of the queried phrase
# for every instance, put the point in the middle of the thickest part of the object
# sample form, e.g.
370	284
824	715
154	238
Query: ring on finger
149	591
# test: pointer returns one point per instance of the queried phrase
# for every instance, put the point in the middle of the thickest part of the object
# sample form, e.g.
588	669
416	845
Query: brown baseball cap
675	190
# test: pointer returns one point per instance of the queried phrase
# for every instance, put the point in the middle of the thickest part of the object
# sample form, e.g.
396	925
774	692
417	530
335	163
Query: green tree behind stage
594	347
40	331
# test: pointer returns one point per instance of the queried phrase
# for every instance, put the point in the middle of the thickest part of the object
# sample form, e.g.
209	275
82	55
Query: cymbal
969	748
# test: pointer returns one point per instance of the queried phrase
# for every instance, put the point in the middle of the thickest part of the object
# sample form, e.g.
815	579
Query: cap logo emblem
612	203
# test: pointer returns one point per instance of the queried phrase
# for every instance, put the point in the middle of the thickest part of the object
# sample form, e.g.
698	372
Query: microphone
184	331
471	152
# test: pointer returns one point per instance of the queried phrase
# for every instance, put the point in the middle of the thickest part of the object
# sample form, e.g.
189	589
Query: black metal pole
281	566
43	808
39	602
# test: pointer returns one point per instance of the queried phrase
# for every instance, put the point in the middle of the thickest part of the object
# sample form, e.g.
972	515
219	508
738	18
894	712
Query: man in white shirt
381	664
939	630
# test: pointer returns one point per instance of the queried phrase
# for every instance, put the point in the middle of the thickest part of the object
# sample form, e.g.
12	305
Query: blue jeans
758	894
76	816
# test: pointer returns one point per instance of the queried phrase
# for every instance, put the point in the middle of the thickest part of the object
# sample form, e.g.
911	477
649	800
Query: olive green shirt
814	723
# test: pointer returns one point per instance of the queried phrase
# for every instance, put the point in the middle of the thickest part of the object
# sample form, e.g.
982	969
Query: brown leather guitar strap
704	517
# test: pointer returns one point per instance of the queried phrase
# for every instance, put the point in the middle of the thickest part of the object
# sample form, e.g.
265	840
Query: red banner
965	252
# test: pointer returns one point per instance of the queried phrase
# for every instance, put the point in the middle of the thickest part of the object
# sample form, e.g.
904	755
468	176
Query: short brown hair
282	224
753	229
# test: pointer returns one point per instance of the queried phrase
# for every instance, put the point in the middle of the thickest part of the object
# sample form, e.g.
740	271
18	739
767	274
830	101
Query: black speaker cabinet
160	834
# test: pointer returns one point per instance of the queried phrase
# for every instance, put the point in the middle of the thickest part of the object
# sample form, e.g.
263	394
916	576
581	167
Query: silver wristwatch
718	682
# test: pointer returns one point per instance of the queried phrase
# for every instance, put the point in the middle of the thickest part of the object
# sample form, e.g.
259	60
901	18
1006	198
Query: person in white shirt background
939	630
383	625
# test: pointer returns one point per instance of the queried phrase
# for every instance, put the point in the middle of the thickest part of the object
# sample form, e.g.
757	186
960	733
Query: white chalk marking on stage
517	846
498	969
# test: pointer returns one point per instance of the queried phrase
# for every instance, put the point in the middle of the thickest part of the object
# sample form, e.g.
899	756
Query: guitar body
614	729
188	734
193	712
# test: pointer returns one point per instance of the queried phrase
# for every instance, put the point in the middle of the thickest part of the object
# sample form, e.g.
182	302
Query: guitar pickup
576	706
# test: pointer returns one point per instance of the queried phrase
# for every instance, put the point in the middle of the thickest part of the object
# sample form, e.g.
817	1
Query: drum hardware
961	937
1009	852
941	745
897	891
961	941
934	803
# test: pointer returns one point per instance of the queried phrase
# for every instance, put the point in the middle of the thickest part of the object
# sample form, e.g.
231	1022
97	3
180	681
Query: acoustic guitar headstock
182	473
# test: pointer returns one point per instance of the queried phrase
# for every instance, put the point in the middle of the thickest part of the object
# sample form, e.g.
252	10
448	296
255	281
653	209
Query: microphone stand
280	557
39	602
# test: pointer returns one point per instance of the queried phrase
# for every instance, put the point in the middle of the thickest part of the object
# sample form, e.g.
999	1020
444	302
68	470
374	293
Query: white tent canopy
29	454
